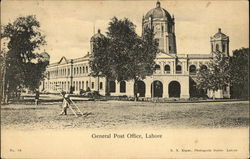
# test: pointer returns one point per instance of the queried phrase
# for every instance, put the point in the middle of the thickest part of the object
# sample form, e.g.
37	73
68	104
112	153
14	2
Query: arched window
77	70
101	86
157	67
83	69
122	86
178	69
80	70
217	47
112	86
92	85
68	71
167	69
192	69
74	71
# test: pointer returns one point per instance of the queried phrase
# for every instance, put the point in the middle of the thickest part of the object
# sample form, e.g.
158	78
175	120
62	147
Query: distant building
174	76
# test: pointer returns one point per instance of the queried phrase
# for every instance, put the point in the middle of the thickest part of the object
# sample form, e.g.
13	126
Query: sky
69	25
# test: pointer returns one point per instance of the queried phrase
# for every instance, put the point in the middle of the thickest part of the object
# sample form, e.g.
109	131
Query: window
101	86
217	47
162	30
192	69
112	86
178	69
87	85
122	87
74	71
80	70
68	71
167	69
157	67
83	69
77	70
87	69
92	85
170	48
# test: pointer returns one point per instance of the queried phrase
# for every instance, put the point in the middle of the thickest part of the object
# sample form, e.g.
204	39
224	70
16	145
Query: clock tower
164	28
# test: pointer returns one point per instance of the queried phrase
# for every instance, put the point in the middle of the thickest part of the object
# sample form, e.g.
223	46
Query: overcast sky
69	25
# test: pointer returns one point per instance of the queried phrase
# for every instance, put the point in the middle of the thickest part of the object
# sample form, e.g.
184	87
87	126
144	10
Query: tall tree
100	60
239	69
216	76
127	56
24	67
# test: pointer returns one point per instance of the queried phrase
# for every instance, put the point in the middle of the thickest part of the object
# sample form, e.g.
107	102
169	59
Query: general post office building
174	76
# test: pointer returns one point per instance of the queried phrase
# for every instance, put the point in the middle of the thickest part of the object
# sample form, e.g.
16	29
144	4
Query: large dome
158	12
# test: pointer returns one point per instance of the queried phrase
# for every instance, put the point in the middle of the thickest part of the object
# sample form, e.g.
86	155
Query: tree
24	66
127	56
239	70
100	60
216	76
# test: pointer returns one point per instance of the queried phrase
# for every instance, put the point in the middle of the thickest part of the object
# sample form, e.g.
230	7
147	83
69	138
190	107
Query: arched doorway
112	86
140	87
156	89
174	89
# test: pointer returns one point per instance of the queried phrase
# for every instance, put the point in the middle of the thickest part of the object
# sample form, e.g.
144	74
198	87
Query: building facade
174	74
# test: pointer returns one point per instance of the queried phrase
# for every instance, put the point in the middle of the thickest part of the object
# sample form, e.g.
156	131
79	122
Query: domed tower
220	43
164	28
93	39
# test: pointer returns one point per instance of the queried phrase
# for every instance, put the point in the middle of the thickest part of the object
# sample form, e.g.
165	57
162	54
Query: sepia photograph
124	79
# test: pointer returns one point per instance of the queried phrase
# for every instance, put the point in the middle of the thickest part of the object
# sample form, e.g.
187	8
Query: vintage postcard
124	79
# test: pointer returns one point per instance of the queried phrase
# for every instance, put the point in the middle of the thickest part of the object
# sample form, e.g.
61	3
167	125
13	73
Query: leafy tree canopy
217	75
124	55
24	66
239	72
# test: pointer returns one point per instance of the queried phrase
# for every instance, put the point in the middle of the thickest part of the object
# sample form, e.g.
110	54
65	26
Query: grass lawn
120	114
